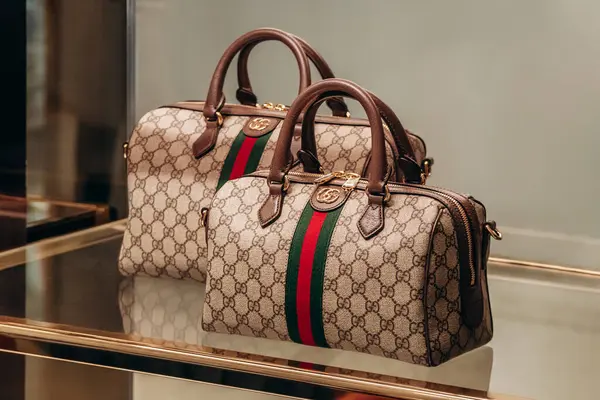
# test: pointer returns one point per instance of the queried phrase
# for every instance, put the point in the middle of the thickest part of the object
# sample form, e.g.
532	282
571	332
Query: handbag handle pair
372	221
245	95
309	100
216	99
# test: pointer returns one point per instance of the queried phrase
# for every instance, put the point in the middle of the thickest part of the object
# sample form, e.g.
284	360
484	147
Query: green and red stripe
305	276
243	157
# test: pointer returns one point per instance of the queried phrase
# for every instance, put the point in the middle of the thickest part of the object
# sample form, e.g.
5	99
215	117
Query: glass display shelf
63	298
38	378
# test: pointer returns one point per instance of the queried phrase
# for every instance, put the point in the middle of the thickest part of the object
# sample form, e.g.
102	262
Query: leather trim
372	221
260	126
309	161
485	249
215	92
207	140
245	94
320	191
426	285
242	110
271	208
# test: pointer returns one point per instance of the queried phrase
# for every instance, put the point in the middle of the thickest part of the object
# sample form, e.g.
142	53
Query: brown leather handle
398	132
377	167
245	94
215	98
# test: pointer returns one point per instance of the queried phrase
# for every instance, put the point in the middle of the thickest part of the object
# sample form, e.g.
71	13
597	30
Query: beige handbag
179	155
333	260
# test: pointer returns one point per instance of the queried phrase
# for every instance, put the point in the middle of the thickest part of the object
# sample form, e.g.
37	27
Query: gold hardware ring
386	196
219	119
286	183
494	232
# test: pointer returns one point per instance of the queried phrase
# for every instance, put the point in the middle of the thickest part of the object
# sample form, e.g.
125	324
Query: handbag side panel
167	188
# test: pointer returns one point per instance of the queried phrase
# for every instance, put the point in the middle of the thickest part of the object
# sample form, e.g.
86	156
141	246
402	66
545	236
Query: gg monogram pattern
373	290
447	334
168	187
245	290
395	295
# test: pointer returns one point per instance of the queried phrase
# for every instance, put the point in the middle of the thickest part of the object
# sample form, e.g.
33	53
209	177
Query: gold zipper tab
125	150
352	181
203	217
329	177
271	106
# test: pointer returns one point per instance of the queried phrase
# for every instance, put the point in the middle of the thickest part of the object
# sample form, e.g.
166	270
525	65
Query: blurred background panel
505	93
63	170
13	144
77	100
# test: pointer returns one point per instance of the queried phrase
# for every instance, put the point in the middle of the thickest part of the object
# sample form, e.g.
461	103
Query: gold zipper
270	106
352	179
327	177
320	179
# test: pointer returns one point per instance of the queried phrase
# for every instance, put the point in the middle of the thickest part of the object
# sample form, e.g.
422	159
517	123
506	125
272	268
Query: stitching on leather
277	210
378	229
381	220
360	223
264	222
360	228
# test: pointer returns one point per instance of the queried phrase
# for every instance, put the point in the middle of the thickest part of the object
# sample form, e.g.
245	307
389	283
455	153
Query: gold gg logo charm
328	195
258	124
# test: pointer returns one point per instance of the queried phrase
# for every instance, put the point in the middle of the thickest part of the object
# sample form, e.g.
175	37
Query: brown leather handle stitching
245	94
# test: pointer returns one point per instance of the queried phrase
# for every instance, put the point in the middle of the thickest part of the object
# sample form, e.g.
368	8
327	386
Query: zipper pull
329	177
125	150
203	217
352	180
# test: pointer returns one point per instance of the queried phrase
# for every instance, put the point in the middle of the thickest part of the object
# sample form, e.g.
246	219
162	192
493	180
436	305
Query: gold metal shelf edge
28	353
510	263
44	332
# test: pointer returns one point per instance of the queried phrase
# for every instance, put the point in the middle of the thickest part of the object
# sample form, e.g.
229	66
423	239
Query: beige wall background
506	93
